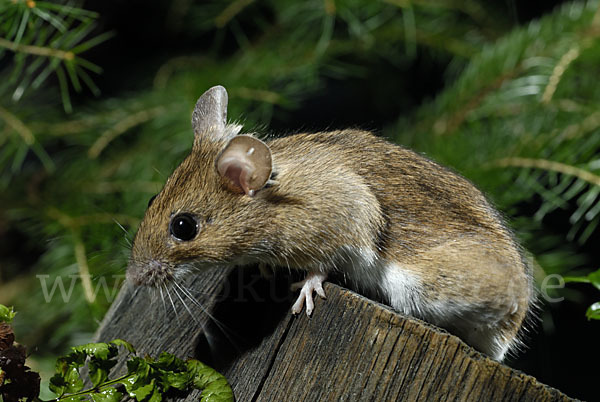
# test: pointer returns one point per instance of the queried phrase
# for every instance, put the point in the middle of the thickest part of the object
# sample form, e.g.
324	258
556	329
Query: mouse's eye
183	227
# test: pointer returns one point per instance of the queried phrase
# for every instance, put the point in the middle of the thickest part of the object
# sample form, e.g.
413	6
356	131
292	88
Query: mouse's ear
209	118
246	164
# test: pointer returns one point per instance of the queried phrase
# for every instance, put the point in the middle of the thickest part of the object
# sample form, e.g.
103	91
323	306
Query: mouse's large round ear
246	164
209	118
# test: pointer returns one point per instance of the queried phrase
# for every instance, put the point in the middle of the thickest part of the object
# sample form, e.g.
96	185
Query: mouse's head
211	209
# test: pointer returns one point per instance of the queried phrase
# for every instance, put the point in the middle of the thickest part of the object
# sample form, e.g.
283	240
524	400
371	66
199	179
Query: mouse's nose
149	273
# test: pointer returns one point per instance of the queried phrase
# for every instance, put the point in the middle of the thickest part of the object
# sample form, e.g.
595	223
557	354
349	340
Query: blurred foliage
593	278
46	38
527	112
519	115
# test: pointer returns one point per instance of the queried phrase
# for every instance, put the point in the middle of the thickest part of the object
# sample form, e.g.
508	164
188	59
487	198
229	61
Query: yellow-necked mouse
393	222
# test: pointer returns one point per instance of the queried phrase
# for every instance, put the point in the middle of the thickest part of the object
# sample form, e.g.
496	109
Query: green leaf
65	363
593	312
102	351
140	376
141	393
139	366
108	395
203	374
125	344
594	278
99	369
130	383
180	381
74	398
156	396
68	380
6	314
215	387
73	380
217	391
168	361
67	377
57	384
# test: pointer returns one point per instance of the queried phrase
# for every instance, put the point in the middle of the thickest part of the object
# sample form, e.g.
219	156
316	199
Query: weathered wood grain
352	349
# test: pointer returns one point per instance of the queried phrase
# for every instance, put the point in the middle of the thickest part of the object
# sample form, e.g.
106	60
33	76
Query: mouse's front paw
312	283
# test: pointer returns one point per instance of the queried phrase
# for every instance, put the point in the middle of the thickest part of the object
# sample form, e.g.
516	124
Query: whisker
225	330
162	298
153	299
184	303
172	304
193	299
127	235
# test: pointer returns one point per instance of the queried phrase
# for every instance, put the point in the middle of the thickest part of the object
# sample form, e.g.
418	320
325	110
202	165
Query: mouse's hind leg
493	340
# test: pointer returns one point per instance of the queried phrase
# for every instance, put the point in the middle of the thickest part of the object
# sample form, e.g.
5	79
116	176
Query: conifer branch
330	7
20	127
79	250
84	269
589	124
75	223
549	165
161	78
470	8
231	11
121	127
37	50
558	71
449	124
150	187
258	95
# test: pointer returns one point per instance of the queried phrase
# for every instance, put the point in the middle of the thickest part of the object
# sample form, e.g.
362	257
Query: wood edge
472	354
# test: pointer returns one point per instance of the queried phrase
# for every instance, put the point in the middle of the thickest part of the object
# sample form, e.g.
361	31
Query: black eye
151	200
183	227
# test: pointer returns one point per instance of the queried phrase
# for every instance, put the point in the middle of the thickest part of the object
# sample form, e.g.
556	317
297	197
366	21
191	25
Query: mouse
391	221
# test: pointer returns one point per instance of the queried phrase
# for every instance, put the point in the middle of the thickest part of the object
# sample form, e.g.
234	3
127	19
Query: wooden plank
351	349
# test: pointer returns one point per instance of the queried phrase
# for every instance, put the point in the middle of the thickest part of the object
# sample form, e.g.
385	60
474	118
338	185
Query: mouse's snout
149	273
